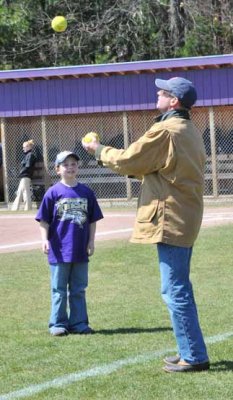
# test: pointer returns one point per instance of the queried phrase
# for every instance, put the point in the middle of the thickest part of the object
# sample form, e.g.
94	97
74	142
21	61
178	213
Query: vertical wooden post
213	153
45	153
4	168
126	145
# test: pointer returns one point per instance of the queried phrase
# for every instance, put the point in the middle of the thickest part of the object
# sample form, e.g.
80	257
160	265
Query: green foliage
102	31
199	41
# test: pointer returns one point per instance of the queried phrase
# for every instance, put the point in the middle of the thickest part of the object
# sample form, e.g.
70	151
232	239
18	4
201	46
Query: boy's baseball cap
181	88
63	155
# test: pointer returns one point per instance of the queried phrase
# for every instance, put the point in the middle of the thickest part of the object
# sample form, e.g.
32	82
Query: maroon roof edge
119	68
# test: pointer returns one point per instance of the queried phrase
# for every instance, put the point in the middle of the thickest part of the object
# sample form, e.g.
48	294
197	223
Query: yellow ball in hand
89	137
59	23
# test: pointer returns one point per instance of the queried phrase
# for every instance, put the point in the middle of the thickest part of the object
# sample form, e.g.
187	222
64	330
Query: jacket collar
173	113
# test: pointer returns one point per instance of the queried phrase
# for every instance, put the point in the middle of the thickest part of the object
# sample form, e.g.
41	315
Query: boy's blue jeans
177	293
68	284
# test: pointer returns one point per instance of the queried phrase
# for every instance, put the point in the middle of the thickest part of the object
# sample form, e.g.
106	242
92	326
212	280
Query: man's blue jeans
68	284
177	293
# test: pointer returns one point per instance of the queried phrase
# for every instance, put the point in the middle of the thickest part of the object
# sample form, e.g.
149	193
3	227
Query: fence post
4	162
126	145
213	152
45	153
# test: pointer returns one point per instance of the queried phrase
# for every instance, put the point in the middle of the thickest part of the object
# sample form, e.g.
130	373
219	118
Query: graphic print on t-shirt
74	209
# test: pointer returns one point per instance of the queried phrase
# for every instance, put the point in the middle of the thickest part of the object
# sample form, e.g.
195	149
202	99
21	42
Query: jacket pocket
147	213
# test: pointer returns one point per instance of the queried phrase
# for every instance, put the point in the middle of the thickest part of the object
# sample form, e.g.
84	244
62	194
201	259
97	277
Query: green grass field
124	359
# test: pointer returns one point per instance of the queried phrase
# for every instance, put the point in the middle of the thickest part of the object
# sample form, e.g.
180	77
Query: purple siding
72	96
107	93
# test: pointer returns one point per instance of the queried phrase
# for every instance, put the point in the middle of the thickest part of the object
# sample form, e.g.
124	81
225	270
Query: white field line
12	246
218	216
101	370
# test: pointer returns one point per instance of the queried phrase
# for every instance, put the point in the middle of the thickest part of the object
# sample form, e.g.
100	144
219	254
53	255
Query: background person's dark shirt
27	165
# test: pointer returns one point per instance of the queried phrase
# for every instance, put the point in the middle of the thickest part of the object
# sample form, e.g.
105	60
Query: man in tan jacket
170	159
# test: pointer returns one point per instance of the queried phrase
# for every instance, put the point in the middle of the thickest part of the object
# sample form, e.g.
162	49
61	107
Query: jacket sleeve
147	155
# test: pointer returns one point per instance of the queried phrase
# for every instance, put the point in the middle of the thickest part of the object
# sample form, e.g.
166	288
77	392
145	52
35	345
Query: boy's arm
91	242
44	229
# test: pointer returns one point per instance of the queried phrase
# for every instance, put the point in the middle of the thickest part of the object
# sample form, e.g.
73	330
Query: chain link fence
216	126
53	134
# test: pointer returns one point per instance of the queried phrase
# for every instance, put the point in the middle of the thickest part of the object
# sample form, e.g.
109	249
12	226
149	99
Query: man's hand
90	142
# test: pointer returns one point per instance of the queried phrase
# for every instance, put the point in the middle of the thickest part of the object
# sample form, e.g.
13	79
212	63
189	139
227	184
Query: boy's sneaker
87	331
58	331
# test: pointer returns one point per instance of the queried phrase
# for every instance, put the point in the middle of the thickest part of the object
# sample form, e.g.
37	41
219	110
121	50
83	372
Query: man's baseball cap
63	155
181	88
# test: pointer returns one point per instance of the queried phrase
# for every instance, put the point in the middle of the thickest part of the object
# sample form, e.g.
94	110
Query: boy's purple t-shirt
69	211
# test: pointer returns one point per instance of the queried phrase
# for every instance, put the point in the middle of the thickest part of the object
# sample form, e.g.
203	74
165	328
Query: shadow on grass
224	365
131	330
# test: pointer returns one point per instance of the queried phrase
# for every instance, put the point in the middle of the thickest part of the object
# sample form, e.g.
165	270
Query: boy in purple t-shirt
67	216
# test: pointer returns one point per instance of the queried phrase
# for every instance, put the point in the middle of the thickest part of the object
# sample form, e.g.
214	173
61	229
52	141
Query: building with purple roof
57	106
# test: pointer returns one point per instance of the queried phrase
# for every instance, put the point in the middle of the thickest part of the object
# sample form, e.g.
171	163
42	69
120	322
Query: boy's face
68	169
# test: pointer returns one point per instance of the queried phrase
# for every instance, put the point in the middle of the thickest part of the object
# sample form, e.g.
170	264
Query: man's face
165	101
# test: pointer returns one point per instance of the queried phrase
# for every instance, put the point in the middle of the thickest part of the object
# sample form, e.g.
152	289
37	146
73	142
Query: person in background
24	193
170	158
68	215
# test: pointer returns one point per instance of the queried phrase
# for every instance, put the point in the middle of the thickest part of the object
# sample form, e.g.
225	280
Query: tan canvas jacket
170	158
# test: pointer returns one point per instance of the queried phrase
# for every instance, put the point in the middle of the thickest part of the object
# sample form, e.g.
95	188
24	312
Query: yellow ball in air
59	23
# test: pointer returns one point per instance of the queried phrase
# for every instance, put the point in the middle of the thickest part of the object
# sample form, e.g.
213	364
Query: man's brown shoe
172	360
182	366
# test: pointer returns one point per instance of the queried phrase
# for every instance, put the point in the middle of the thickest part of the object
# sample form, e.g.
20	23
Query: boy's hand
45	246
90	248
